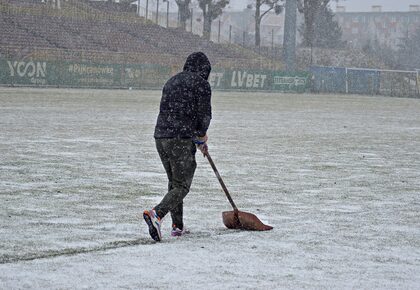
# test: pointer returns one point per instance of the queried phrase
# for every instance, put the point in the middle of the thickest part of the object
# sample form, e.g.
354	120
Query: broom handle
221	181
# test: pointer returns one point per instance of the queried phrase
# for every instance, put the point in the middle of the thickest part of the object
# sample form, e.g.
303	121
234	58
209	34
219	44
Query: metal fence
365	81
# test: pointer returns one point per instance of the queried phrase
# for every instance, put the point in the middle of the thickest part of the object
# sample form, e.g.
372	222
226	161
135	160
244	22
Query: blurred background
139	44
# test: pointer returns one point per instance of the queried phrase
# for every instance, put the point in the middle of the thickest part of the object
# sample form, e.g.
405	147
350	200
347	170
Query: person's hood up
199	63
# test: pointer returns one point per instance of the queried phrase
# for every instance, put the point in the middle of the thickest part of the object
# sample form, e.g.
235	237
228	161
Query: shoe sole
152	230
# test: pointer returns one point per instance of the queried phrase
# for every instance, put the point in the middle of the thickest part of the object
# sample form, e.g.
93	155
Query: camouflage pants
178	159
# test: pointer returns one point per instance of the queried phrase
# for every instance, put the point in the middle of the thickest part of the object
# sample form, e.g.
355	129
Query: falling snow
337	177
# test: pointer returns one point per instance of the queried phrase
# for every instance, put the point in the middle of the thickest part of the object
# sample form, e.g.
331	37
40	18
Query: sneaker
153	222
176	232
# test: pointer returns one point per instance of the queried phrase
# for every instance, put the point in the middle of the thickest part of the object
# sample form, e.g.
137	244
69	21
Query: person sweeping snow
181	127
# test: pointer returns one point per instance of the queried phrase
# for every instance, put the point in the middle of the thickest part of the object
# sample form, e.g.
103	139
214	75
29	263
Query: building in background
387	28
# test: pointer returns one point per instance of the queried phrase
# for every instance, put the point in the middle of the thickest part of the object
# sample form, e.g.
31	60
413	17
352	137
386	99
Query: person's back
185	109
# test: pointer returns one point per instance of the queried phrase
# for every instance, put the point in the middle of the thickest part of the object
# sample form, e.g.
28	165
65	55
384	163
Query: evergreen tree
327	32
320	29
314	26
409	51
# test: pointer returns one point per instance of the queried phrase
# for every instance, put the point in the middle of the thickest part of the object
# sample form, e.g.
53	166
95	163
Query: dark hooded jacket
185	106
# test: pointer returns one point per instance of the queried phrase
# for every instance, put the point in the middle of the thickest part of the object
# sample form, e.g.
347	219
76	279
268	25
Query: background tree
408	51
324	31
310	10
184	12
270	4
381	54
211	10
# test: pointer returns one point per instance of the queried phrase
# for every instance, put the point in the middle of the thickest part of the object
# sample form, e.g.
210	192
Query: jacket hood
199	63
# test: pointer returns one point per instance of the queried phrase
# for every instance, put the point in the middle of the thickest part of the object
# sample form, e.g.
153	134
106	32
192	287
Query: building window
354	30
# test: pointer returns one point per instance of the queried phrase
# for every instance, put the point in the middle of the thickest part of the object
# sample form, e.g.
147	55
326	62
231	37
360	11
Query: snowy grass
337	176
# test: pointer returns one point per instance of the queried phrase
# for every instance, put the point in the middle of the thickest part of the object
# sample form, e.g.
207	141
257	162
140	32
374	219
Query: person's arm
203	109
203	116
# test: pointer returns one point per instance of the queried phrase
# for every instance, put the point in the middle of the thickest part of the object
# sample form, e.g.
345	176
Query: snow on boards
239	79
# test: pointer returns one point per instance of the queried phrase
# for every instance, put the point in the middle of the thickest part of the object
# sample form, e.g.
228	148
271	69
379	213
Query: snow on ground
337	176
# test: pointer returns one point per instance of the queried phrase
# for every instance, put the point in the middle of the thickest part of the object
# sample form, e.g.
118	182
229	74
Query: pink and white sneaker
154	222
176	232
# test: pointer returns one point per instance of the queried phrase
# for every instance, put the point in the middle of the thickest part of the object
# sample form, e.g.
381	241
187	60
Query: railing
366	81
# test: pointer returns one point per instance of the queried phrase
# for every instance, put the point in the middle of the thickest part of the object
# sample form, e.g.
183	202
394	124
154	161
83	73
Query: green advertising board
297	82
99	75
47	73
145	76
240	80
86	74
25	72
253	80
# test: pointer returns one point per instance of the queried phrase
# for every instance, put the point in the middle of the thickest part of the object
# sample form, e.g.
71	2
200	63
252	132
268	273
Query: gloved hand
203	148
201	143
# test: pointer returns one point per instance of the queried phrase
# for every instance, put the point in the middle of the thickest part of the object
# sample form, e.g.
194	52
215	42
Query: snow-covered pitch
337	176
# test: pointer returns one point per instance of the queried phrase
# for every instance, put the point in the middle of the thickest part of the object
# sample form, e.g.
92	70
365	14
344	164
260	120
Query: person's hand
201	143
203	148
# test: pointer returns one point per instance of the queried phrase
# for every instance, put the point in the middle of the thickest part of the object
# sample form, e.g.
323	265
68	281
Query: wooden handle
221	181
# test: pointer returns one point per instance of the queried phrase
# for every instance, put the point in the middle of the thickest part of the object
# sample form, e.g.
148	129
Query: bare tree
259	15
184	12
211	10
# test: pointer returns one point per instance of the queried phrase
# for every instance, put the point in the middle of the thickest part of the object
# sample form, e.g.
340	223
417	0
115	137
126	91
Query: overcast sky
387	5
352	5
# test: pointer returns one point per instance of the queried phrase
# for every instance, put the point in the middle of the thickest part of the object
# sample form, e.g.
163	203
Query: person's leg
181	154
152	219
177	216
161	144
177	211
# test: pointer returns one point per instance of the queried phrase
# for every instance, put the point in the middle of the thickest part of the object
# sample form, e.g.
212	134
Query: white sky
387	5
352	5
